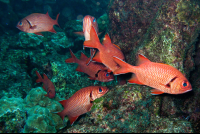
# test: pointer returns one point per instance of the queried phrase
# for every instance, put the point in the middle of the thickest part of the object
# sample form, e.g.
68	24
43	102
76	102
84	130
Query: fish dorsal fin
79	69
45	77
83	57
72	119
106	40
142	59
63	102
47	14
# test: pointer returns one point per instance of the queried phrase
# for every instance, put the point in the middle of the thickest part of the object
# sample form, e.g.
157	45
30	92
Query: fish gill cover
163	31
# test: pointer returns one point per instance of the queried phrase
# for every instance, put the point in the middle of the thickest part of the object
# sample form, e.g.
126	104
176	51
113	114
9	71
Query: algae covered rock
12	115
40	111
128	108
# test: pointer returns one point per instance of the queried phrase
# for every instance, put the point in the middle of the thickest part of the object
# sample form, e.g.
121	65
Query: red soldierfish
106	51
37	22
164	78
96	71
88	22
47	85
81	102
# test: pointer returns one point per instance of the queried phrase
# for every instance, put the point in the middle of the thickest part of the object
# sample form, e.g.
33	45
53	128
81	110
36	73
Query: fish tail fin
56	21
124	67
39	77
73	59
94	39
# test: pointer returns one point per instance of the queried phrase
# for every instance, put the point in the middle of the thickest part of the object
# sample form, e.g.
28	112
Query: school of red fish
106	60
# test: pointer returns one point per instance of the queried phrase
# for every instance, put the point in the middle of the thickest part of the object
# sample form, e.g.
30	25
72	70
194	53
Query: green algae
188	12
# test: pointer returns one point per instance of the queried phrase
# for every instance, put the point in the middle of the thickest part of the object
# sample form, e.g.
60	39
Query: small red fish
164	78
88	22
81	102
106	51
37	22
96	71
47	85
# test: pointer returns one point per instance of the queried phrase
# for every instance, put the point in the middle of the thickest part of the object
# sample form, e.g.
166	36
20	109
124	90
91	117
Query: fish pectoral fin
156	92
91	78
135	80
72	119
79	33
39	34
33	27
91	98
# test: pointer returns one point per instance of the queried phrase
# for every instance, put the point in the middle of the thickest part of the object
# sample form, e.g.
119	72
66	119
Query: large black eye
20	23
94	20
184	84
100	90
107	74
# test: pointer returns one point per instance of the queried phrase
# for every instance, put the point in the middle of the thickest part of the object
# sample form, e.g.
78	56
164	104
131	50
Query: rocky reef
164	31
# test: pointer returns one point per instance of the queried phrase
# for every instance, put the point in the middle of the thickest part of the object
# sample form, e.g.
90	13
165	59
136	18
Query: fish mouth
187	90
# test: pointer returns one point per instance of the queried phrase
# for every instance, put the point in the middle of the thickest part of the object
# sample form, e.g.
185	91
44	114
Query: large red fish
47	85
37	22
81	102
106	51
164	78
96	71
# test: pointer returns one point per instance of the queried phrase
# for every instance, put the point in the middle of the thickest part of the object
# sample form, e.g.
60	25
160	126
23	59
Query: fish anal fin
52	30
40	34
61	115
72	119
156	92
79	69
63	102
142	59
135	80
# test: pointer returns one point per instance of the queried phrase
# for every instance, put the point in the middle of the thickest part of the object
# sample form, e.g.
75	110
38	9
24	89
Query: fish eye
100	90
94	20
107	74
184	84
20	23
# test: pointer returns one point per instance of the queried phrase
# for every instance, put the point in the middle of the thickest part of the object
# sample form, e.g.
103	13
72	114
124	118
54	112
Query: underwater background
163	31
